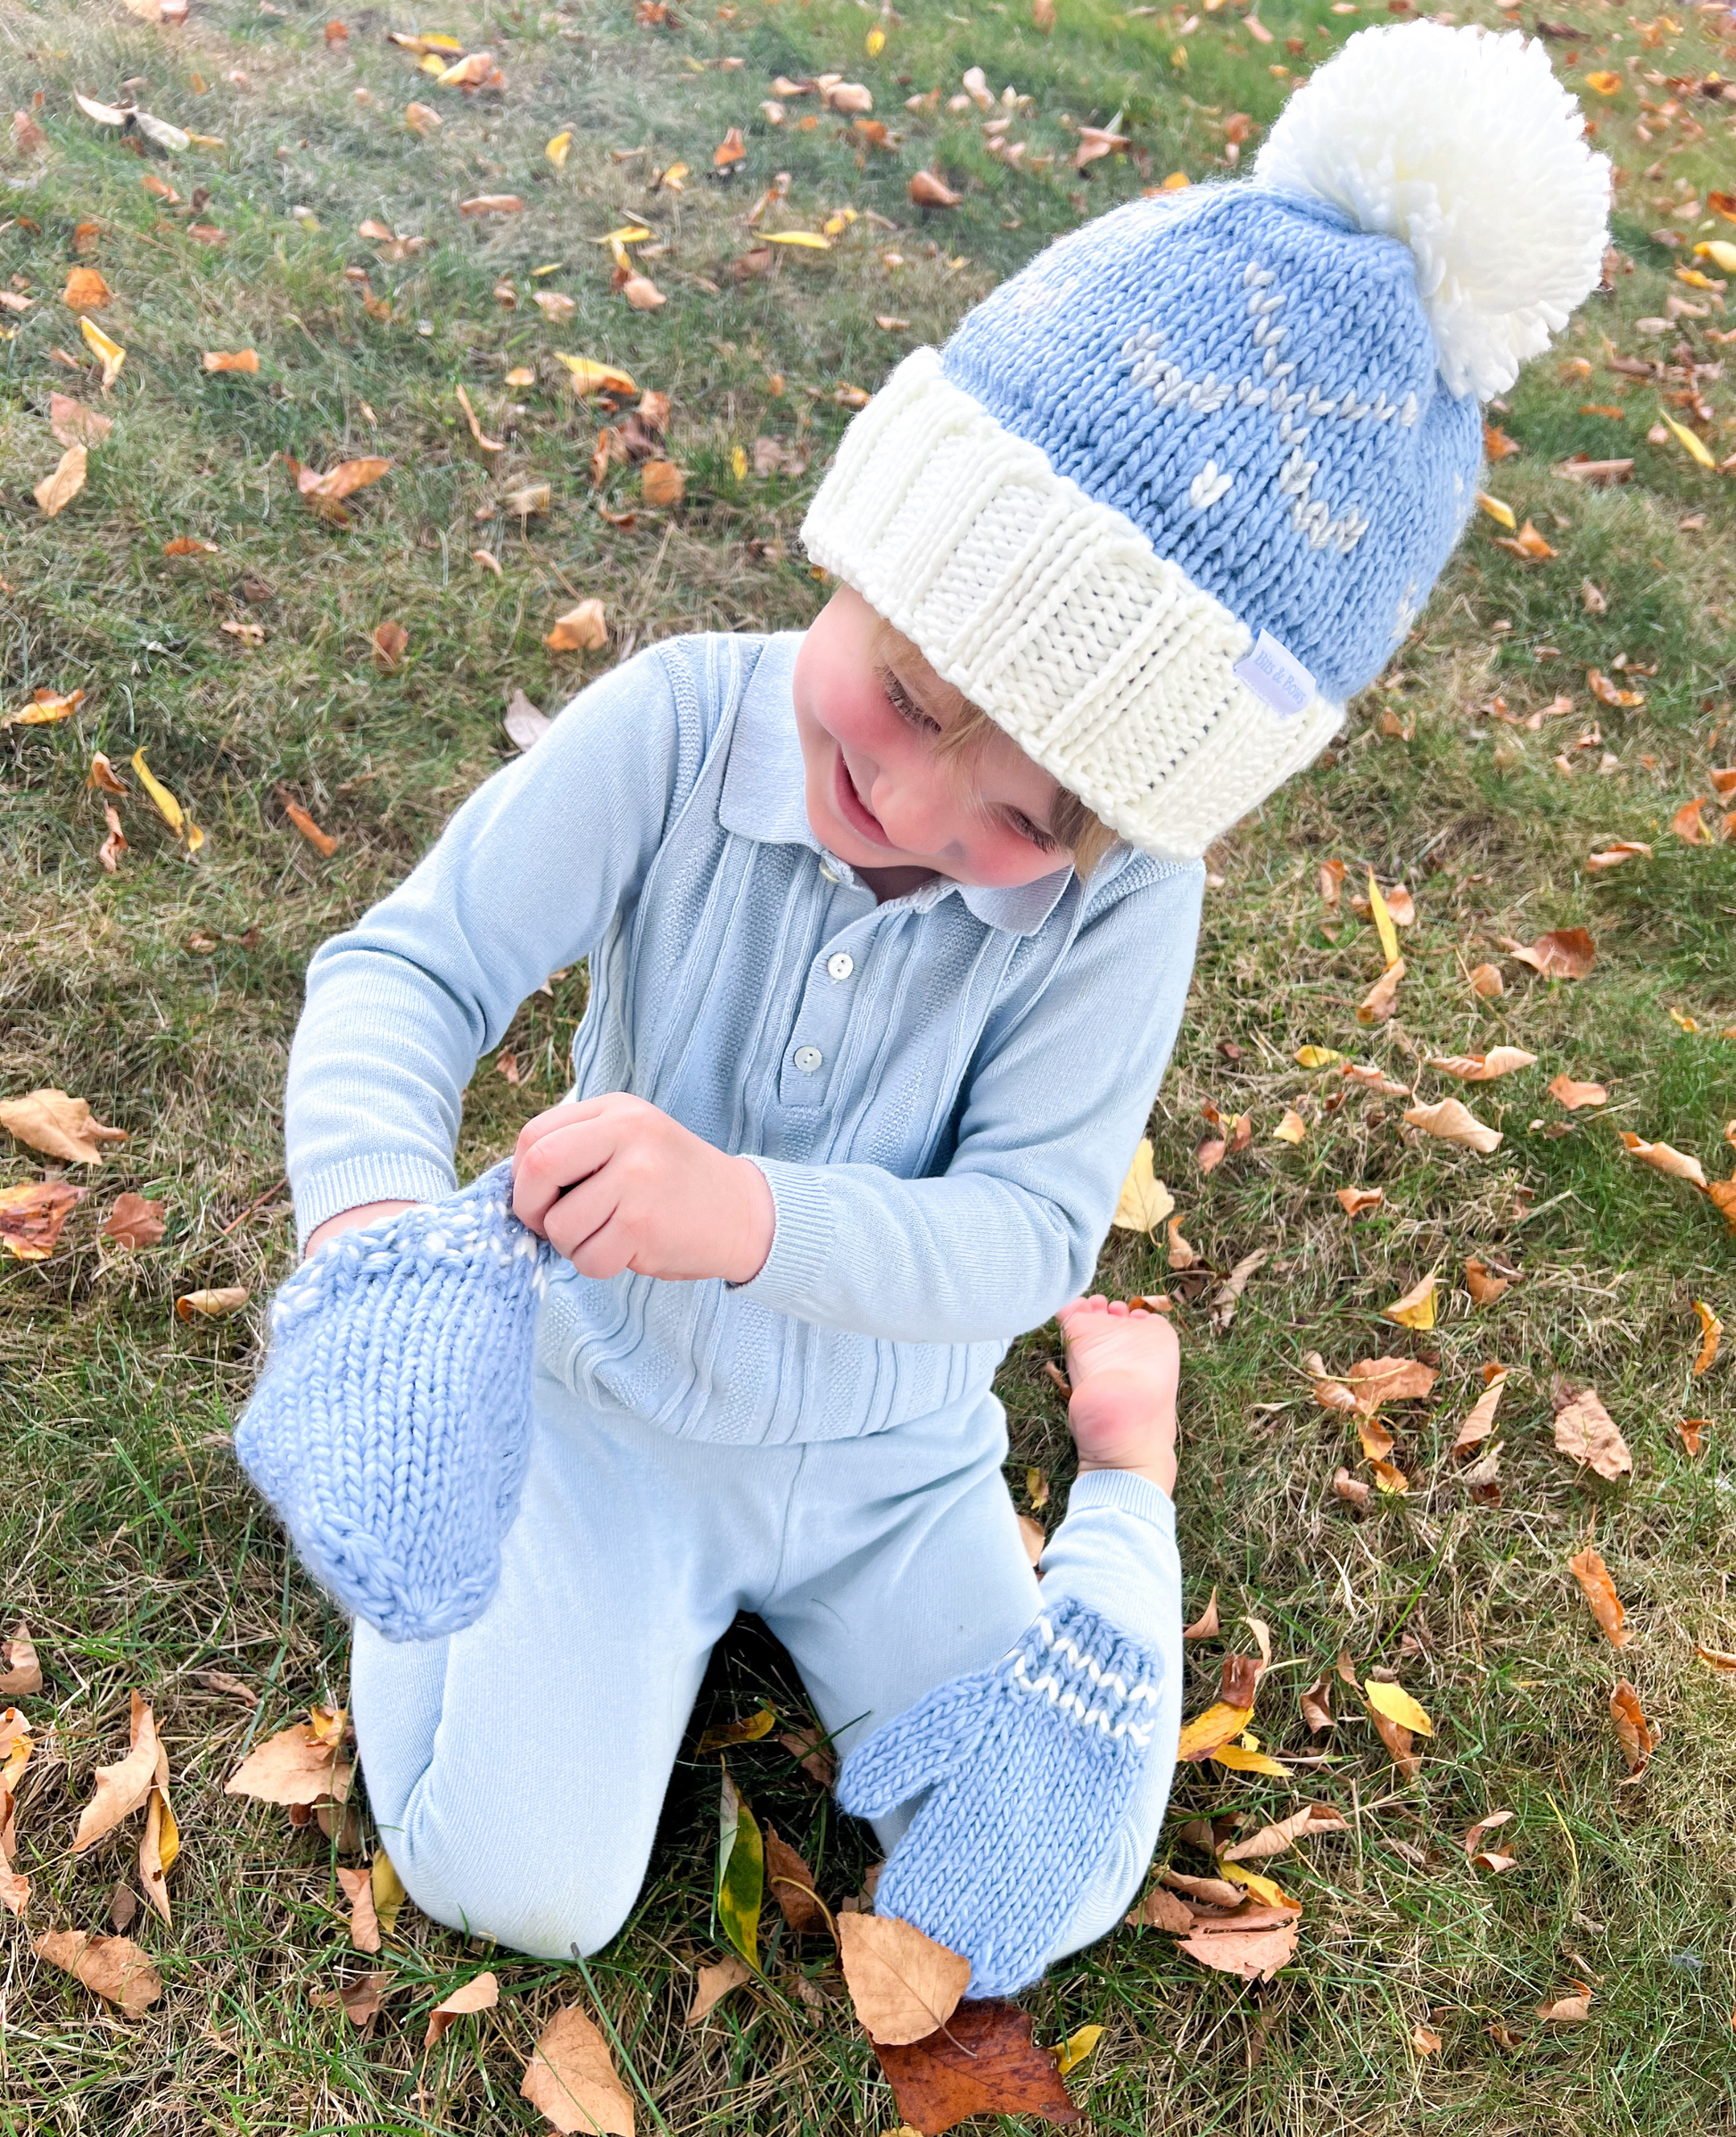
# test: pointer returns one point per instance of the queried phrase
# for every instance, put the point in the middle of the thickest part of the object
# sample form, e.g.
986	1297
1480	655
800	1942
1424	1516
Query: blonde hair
1072	823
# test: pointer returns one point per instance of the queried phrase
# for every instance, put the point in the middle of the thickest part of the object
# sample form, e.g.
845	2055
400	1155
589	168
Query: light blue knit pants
517	1770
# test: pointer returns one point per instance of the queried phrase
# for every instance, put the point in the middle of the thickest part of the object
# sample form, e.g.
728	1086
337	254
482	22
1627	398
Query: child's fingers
550	1120
584	1227
570	1152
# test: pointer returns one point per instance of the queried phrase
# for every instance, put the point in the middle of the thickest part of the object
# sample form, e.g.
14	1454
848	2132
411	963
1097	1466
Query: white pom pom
1466	148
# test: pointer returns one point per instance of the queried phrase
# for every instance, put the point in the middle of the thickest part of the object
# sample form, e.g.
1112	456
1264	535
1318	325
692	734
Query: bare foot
1124	1365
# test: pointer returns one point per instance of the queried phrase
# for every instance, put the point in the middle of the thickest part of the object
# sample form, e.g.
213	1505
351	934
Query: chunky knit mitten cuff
390	1426
1028	1768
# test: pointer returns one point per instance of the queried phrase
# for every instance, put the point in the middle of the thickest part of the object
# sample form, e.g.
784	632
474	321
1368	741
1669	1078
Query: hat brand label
1277	676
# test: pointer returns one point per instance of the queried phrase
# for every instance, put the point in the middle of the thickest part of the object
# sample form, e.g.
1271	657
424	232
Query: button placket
828	1003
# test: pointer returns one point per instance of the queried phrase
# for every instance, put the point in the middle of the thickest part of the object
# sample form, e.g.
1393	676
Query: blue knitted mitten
390	1426
1028	1767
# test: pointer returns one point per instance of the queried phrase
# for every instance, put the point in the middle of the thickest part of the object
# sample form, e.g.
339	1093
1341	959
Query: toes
1119	1307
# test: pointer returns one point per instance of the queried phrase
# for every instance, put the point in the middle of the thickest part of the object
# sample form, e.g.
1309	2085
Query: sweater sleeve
1050	1118
522	881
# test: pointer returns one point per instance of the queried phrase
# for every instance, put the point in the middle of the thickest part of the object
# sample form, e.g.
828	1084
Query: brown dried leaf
391	642
1355	1201
21	1671
122	1787
1382	999
1622	849
1161	1909
1634	1732
1306	1824
322	842
364	1923
1316	1704
1565	1092
583	629
1253	1954
713	1984
134	1221
213	1305
492	204
1568	2010
1485	1288
929	191
815	1757
1562	953
1588	1568
32	1214
791	1882
571	2080
232	359
1454	1122
292	1766
984	2063
1206	1626
1678	1163
1584	1431
1487	981
112	1965
662	483
74	423
902	1984
1483	1068
1480	1419
56	491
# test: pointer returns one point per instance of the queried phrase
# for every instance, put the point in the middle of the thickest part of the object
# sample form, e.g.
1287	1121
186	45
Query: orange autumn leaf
1584	1431
1562	953
322	842
1635	1735
1711	1335
1678	1163
1691	1428
1565	1092
112	1965
1588	1568
231	359
1485	1287
32	1215
85	290
1689	825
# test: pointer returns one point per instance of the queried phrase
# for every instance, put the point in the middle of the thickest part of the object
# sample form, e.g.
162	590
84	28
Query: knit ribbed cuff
382	1176
1127	1492
801	1241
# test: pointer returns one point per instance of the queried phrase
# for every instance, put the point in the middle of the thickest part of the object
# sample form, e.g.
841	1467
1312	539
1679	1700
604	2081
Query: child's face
870	710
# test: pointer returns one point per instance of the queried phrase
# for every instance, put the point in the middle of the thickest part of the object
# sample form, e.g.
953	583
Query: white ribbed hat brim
1100	658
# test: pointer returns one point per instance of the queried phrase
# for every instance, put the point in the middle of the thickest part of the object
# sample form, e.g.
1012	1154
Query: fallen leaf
487	444
327	491
582	629
133	1221
250	634
492	204
21	1671
1355	1202
1611	693
85	290
1416	1309
555	305
927	190
662	483
1483	1068
231	359
1485	1288
1454	1122
1592	1574
712	1983
1677	1163
361	2000
1502	514
1563	954
56	491
570	2079
421	119
1206	1626
1480	1419
740	1880
902	1984
1716	1657
1565	1092
589	377
1316	1704
1711	1334
1382	999
385	1887
1227	1295
101	777
59	1126
1569	2010
791	1884
1690	1430
31	1217
1424	2041
1635	1735
112	1965
1584	1431
984	2062
391	642
74	423
1306	1824
1397	1705
1527	545
1292	1128
1350	1489
295	1766
110	353
189	545
322	842
1624	850
1077	2046
1254	1954
1161	1909
1487	981
1144	1202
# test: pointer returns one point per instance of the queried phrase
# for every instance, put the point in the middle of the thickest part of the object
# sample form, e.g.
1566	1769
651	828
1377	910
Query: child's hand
614	1183
1123	1365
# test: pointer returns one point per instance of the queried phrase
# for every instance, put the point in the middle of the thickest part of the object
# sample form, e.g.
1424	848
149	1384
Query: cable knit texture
1028	1768
390	1426
1177	490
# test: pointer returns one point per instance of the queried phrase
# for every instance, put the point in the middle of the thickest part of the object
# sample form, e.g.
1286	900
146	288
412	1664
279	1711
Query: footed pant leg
517	1768
934	1584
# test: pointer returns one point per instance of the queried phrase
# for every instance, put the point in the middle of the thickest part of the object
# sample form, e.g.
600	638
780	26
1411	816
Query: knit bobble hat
1175	491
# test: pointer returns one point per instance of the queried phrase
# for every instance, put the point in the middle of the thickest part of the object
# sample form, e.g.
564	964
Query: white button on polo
809	1059
840	964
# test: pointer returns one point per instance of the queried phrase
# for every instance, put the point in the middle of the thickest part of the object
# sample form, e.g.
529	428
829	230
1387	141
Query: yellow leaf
807	237
1605	82
1317	1057
1416	1309
168	807
1497	510
629	233
1207	1732
556	150
1384	927
1248	1762
1263	1888
741	1872
56	491
1145	1201
738	464
1397	1704
1693	445
388	1891
1292	1128
1719	253
873	44
1711	1335
589	377
111	354
1076	2047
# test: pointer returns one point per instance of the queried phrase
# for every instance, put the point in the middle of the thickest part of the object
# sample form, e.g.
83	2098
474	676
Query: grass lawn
165	993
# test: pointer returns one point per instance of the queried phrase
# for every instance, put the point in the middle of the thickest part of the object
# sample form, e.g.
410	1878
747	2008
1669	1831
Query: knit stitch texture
1028	1768
390	1426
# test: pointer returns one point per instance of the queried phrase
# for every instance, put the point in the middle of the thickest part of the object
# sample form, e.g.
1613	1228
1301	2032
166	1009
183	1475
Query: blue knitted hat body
1175	491
1027	1768
390	1426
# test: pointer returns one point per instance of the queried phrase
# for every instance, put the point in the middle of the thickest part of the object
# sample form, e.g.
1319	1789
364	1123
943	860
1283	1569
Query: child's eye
904	706
1044	841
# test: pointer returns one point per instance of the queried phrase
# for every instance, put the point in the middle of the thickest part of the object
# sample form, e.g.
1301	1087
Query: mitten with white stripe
390	1426
1028	1768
